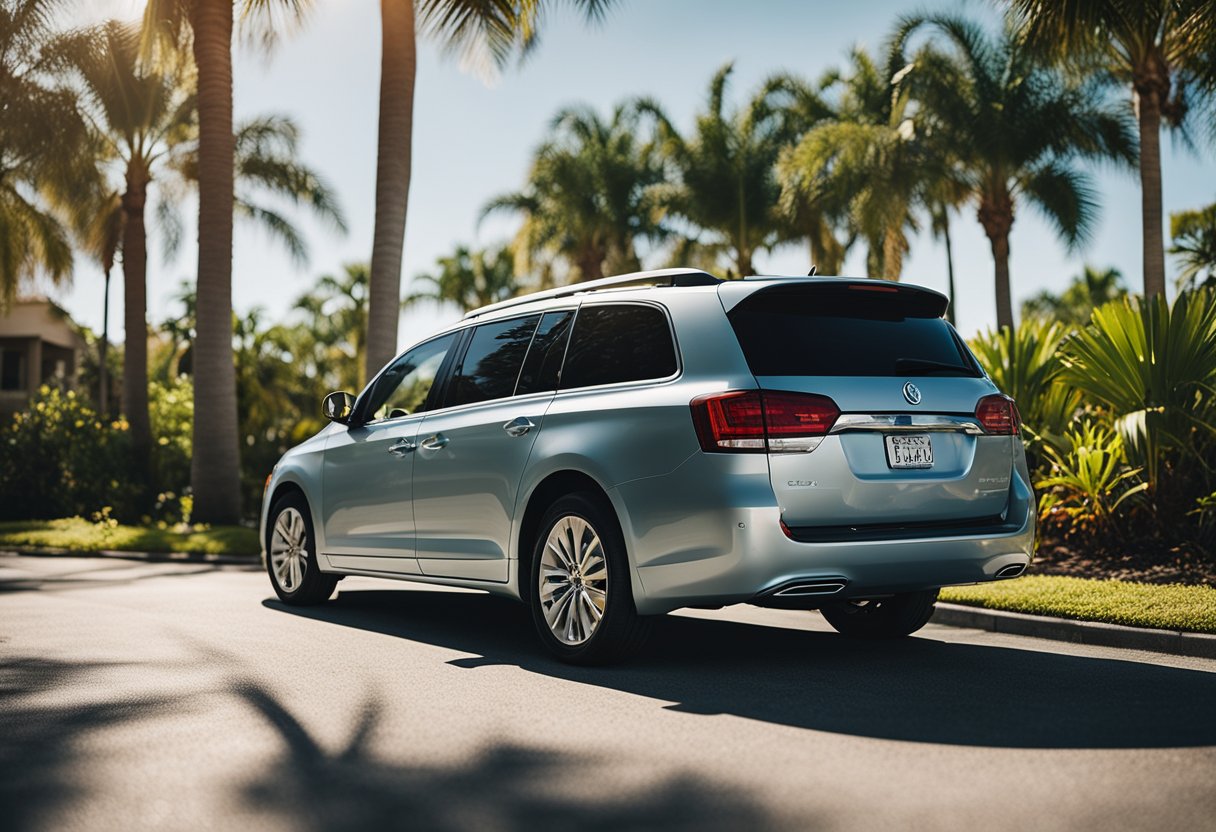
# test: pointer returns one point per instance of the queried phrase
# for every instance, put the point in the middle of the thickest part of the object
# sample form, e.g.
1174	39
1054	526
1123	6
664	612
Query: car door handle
402	448
435	442
519	426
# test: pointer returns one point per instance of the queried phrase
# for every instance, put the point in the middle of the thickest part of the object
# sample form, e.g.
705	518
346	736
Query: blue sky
473	141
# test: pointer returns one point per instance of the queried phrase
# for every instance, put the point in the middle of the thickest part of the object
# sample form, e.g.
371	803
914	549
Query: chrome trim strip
907	423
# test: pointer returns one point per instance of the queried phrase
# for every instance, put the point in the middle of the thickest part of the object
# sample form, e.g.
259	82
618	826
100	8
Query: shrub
1087	481
171	410
60	458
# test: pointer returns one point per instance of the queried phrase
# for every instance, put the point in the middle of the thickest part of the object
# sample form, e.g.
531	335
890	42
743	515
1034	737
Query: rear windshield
837	331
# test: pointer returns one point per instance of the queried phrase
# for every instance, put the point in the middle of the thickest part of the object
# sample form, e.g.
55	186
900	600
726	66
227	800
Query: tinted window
403	388
611	344
12	369
492	362
822	331
544	362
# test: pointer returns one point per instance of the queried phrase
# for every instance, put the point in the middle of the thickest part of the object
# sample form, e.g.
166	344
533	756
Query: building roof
35	317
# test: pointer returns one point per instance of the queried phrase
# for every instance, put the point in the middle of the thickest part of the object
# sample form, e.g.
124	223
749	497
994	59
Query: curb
1175	642
149	557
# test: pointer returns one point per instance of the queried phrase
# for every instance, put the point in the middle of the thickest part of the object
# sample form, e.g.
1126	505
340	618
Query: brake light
755	421
999	415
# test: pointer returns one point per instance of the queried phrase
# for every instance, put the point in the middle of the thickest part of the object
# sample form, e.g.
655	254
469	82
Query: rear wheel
291	554
892	617
581	597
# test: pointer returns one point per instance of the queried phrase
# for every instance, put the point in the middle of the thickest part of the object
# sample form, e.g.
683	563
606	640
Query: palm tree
872	160
469	279
207	26
1073	307
587	198
1016	127
1162	49
42	141
1194	244
488	33
144	118
724	182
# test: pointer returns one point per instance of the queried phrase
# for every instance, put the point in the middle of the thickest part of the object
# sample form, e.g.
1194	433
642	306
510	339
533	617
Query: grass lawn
1163	606
80	535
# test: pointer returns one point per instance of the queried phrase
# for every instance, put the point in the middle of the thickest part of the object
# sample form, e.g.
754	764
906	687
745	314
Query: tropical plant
1016	127
1022	362
41	141
1153	369
588	197
1073	307
468	279
1194	238
1164	50
335	331
723	182
1088	480
487	34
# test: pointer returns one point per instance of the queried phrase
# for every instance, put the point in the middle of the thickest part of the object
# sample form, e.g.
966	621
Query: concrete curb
1093	633
149	557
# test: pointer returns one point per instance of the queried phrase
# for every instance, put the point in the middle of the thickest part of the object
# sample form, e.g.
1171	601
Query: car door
471	453
367	485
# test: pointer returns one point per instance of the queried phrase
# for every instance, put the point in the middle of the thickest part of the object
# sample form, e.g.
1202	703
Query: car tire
892	617
580	570
291	554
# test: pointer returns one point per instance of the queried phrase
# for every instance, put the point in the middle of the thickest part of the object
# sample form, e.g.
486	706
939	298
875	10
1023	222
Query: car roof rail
655	277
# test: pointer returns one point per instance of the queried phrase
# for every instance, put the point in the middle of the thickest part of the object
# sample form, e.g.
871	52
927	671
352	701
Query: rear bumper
738	553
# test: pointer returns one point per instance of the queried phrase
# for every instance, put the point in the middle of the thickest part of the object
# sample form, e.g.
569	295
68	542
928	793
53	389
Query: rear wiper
925	366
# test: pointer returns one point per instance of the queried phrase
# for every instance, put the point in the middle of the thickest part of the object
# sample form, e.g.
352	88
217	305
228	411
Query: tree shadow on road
507	787
916	689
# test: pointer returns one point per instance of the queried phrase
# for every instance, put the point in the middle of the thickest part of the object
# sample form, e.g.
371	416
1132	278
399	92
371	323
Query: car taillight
754	421
999	415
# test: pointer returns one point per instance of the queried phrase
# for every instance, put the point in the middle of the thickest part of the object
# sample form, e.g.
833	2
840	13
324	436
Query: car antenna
813	271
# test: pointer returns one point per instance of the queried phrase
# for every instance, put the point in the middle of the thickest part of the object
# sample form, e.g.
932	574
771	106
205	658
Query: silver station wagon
610	451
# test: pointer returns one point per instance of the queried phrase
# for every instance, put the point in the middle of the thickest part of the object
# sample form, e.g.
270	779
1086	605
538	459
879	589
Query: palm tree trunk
397	69
135	322
1004	299
892	254
215	467
103	373
1150	189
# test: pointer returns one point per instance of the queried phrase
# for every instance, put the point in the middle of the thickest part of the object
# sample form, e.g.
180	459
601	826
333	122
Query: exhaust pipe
1011	571
804	588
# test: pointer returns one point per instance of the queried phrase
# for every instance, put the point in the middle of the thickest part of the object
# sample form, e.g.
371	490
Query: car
611	451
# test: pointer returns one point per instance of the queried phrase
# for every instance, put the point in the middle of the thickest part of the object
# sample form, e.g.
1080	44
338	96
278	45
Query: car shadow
917	689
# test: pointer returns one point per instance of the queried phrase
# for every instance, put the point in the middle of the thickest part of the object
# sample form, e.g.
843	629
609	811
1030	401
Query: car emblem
912	393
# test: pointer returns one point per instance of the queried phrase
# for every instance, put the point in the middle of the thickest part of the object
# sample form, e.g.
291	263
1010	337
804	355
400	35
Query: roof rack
657	277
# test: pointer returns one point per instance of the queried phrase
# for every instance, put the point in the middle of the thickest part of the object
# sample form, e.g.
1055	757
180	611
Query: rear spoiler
922	301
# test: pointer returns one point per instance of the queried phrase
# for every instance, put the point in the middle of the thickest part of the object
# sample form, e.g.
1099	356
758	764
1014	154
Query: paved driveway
175	696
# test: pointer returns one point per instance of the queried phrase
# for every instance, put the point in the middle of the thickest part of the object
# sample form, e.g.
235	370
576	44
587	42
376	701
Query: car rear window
617	343
843	331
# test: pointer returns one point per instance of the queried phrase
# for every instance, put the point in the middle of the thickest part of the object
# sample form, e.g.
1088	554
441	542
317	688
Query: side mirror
338	407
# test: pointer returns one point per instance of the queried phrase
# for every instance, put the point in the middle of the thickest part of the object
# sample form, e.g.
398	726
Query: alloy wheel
573	580
288	553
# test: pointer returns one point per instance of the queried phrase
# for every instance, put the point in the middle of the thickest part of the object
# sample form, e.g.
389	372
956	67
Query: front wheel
291	554
892	617
581	597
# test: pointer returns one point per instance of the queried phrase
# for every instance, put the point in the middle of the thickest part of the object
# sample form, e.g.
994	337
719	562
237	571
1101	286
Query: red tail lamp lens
999	415
745	421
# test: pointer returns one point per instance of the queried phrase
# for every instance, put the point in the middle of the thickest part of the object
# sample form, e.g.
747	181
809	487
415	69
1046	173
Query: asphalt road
176	696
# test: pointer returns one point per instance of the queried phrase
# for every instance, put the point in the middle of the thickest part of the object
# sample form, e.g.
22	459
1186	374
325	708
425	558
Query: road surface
183	696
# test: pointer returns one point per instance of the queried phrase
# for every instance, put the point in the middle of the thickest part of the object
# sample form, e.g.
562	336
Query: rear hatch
906	446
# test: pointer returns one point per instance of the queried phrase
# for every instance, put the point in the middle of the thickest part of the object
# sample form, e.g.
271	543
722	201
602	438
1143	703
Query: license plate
910	451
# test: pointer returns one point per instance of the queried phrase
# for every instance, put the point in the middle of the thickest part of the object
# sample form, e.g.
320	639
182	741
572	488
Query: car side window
543	365
617	343
403	388
491	364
